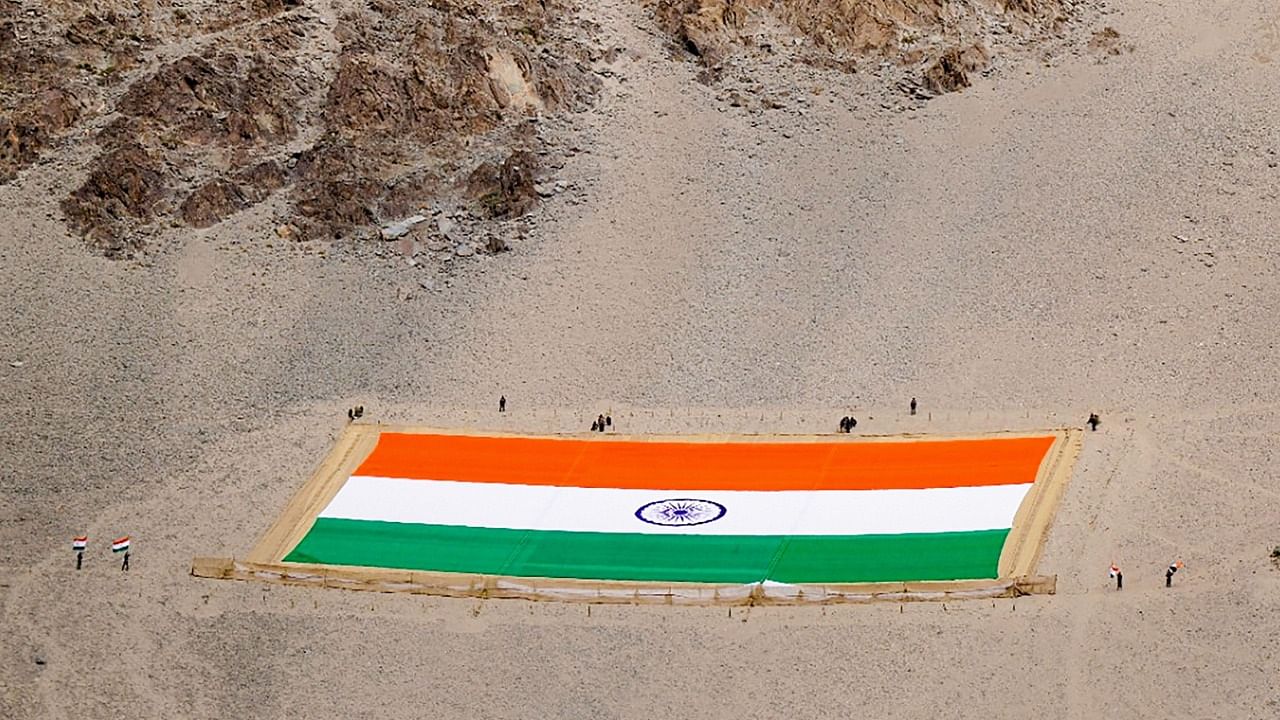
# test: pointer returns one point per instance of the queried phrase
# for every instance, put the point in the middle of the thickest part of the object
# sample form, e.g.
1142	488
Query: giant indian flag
812	511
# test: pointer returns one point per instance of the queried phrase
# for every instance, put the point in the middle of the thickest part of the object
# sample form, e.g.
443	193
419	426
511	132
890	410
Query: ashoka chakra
681	512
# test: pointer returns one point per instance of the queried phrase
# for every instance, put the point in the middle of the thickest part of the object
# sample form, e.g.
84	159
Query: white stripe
608	510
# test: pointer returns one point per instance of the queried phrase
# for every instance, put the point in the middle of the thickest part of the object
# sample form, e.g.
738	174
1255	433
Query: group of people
1118	576
603	422
600	424
848	423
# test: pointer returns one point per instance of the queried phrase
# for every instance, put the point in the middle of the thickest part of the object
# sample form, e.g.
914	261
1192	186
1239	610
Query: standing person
121	545
608	421
1119	576
1168	574
600	422
502	404
595	426
79	544
1093	421
913	406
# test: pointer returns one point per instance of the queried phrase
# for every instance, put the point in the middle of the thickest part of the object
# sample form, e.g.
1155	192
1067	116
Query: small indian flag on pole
120	545
80	543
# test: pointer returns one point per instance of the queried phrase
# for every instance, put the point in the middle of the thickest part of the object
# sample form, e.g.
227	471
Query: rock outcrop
352	114
906	30
356	118
949	72
126	187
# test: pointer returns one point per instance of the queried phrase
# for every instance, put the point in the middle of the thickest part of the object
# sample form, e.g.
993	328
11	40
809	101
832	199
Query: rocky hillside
348	114
351	113
942	40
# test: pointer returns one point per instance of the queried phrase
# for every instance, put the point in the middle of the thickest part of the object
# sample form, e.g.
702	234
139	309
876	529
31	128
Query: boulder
400	228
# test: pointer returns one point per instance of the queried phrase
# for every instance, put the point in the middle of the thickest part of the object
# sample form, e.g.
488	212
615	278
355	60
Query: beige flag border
1017	565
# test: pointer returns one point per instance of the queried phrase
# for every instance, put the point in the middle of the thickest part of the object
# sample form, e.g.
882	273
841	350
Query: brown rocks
495	244
836	29
1023	6
200	112
328	208
1108	41
868	26
704	28
219	99
263	178
20	145
950	70
220	198
399	100
26	133
55	110
946	74
125	186
212	202
367	95
506	190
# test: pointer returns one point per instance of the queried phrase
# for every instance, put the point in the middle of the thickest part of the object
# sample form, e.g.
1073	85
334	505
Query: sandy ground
1010	255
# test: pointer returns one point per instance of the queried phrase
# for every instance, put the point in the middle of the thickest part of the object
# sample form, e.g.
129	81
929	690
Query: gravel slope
1094	235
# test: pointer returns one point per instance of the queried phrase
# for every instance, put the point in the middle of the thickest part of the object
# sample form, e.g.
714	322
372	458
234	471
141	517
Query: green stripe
731	559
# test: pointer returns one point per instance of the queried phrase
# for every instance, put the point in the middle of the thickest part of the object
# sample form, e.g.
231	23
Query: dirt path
1098	553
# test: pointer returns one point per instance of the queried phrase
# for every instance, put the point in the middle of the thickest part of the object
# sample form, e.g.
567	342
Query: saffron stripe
697	466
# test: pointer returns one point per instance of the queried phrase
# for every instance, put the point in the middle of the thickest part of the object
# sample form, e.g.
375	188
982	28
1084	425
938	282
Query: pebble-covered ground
1079	231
